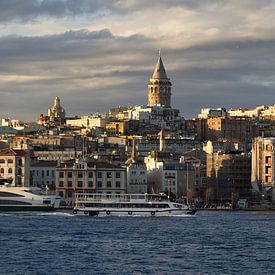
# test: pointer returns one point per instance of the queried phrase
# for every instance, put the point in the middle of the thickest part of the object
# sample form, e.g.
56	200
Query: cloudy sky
95	54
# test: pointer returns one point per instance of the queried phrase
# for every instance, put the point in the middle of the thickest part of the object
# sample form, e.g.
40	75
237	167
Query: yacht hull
17	208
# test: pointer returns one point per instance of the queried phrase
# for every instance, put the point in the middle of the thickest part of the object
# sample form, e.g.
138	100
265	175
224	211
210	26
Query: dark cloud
92	71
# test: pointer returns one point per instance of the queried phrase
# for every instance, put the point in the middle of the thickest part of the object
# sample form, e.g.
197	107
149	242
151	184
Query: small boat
26	199
99	204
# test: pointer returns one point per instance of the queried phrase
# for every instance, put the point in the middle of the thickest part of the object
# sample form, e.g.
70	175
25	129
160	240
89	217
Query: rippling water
207	243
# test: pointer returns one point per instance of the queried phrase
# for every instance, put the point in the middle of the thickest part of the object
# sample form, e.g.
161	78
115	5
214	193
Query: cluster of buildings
218	158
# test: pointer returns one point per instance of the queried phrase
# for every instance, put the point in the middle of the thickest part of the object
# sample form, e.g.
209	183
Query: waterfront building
263	166
229	176
15	166
137	178
168	175
81	175
43	174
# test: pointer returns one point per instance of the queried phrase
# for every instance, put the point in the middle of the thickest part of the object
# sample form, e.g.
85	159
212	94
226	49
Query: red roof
12	152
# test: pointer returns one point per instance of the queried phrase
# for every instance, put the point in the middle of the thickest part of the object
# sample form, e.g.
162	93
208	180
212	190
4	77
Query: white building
137	178
90	122
212	112
43	174
15	166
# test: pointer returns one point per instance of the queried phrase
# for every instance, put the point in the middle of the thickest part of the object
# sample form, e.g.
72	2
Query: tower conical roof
159	71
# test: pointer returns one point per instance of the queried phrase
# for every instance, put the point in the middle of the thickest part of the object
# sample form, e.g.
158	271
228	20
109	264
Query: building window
37	173
60	194
61	174
2	161
70	194
80	175
53	174
90	175
10	171
99	184
117	184
19	172
109	184
268	179
99	175
70	183
61	183
90	183
10	161
20	162
268	147
48	173
268	159
2	170
70	174
80	184
109	175
118	175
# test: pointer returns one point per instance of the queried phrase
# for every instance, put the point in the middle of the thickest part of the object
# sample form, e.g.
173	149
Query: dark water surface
207	243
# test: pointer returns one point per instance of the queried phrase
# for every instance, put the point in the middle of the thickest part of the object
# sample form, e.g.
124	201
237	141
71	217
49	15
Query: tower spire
159	72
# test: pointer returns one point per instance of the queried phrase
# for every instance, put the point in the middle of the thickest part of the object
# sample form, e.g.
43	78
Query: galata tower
159	86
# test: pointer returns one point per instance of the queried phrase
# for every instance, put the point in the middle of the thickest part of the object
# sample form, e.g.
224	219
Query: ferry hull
152	213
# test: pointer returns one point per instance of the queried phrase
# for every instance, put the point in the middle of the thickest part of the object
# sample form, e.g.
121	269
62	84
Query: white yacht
94	204
26	199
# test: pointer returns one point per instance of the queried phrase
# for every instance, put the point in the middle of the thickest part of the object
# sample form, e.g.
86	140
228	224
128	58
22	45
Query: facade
263	166
89	176
159	87
210	112
15	166
170	176
43	174
229	176
137	178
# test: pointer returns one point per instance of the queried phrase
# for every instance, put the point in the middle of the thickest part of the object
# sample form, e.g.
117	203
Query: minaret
162	139
159	86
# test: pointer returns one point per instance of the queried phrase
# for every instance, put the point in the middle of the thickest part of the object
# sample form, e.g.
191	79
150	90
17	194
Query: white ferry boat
94	204
26	199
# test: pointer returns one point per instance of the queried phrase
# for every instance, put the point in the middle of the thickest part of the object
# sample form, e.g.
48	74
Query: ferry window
70	183
109	175
61	174
2	161
99	175
118	175
61	183
99	184
70	174
10	171
117	184
10	161
109	184
80	184
80	175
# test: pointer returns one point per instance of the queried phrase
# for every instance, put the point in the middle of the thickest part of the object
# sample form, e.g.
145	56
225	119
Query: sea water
210	242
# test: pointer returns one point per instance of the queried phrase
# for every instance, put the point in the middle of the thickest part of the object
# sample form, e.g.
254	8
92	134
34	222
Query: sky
100	54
